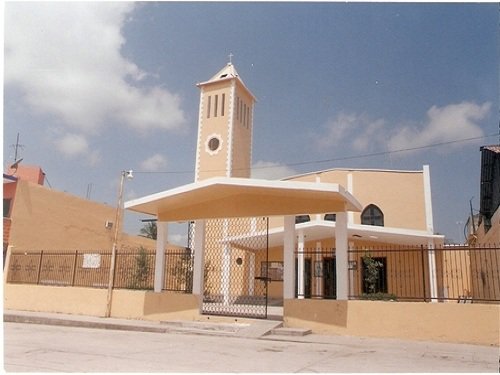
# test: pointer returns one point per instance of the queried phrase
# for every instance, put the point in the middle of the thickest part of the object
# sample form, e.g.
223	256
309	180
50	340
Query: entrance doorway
235	282
329	278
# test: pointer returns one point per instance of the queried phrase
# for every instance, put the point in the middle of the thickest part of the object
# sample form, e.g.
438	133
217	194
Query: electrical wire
342	158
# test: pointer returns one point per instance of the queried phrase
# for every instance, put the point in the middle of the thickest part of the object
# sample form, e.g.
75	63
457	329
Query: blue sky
96	88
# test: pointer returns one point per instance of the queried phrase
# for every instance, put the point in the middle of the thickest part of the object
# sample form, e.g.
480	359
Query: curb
12	318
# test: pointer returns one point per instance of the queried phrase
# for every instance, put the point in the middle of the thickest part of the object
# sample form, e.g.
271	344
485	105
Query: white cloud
271	171
72	145
76	145
66	58
154	163
360	134
450	123
356	131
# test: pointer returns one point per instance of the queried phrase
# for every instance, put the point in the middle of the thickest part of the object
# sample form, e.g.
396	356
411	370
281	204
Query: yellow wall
492	236
216	163
130	304
399	194
443	322
45	219
242	138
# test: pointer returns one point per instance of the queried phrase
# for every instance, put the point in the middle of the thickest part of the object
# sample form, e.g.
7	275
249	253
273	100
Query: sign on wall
91	261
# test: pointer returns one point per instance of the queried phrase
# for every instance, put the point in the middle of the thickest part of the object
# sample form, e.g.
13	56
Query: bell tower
225	124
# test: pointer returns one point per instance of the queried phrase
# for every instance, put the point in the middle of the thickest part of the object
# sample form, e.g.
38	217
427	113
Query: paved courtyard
44	348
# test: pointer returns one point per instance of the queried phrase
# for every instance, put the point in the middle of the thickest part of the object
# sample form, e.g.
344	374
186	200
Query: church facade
379	208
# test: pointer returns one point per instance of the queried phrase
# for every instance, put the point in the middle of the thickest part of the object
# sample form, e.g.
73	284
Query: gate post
7	263
300	265
289	258
161	242
199	259
341	255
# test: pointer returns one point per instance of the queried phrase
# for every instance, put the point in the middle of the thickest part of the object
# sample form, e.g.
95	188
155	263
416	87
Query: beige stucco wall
442	322
492	236
399	194
235	136
215	164
84	301
148	305
130	304
46	219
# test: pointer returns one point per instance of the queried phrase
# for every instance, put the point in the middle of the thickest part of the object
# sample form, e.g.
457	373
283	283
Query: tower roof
228	72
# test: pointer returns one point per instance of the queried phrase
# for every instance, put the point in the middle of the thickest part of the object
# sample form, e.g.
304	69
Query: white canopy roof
224	197
316	230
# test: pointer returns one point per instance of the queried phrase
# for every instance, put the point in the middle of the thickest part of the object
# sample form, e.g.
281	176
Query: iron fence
134	269
464	274
179	270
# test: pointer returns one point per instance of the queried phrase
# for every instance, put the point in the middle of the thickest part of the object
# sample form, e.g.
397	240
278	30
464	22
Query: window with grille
372	215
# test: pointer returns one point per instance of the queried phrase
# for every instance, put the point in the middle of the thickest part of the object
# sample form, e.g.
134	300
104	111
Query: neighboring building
488	231
485	262
39	218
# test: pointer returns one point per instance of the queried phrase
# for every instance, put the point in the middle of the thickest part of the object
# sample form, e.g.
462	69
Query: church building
255	237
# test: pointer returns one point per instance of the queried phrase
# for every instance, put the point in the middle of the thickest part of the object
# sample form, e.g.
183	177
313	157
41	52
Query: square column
341	246
161	244
300	265
289	258
199	259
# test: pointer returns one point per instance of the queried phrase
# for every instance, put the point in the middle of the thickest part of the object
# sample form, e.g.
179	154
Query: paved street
43	348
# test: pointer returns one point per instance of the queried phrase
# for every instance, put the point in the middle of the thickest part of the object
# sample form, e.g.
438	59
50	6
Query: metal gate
236	272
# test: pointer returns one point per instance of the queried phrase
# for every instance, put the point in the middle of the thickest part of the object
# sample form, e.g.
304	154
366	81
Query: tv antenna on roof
16	147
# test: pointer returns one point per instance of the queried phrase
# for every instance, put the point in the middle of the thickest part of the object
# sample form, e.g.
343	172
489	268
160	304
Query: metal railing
448	273
179	271
134	269
463	274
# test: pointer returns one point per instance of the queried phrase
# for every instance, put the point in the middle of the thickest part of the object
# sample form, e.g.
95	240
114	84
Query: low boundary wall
442	322
129	304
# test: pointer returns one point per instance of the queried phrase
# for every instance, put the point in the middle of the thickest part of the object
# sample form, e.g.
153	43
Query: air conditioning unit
108	224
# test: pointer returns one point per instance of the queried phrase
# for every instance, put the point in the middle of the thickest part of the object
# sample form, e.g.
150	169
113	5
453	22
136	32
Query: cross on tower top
230	58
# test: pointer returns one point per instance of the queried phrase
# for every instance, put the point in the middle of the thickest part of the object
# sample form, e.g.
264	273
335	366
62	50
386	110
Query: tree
149	230
141	277
371	273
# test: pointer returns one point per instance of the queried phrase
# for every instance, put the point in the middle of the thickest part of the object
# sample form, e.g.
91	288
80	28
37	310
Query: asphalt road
42	348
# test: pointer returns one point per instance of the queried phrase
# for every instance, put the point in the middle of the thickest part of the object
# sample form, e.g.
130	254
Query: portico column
289	258
199	258
341	246
300	265
161	244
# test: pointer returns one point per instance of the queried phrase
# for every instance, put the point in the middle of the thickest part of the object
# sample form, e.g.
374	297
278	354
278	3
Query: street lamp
119	208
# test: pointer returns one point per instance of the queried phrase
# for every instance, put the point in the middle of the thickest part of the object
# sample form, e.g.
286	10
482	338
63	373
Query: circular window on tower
213	144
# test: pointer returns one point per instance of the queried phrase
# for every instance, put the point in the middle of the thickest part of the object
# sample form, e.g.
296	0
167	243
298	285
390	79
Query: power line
342	158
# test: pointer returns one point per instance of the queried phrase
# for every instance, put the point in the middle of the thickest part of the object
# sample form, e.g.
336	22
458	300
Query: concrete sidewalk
244	328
